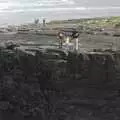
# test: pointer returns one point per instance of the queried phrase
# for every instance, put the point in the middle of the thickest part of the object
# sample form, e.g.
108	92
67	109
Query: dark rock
43	84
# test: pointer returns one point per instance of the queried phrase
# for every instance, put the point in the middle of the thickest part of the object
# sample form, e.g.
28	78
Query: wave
39	3
104	8
41	9
58	9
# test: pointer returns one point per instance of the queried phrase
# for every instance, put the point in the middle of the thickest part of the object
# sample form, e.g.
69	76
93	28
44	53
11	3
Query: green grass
93	22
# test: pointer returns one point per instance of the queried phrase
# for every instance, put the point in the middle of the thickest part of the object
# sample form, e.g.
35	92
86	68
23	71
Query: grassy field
95	22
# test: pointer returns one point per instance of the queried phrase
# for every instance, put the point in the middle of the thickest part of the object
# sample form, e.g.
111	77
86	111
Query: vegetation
97	22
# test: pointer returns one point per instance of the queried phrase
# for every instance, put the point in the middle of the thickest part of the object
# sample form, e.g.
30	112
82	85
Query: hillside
98	22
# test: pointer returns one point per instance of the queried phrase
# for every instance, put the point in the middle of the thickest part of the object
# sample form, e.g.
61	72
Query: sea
25	11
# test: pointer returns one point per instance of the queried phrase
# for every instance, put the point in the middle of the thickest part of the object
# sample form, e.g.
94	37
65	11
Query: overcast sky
19	11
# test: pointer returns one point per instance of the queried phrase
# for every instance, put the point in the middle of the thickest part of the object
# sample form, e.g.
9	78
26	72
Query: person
75	36
60	37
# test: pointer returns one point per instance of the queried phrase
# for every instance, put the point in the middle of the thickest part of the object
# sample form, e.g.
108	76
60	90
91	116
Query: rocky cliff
59	85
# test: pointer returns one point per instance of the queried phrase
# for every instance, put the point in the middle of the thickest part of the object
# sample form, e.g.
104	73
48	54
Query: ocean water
23	11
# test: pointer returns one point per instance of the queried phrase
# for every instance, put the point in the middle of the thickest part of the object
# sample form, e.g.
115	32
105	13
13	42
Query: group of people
68	38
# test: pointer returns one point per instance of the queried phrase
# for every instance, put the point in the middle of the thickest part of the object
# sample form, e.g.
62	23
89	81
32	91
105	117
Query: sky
23	11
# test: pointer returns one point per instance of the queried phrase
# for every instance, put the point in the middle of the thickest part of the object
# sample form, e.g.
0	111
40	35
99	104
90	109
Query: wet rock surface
52	84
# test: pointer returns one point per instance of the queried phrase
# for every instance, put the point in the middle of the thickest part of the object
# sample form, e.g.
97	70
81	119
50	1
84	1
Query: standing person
61	37
75	36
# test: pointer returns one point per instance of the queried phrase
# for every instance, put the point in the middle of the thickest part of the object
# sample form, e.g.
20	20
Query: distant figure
36	21
61	39
44	23
66	36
